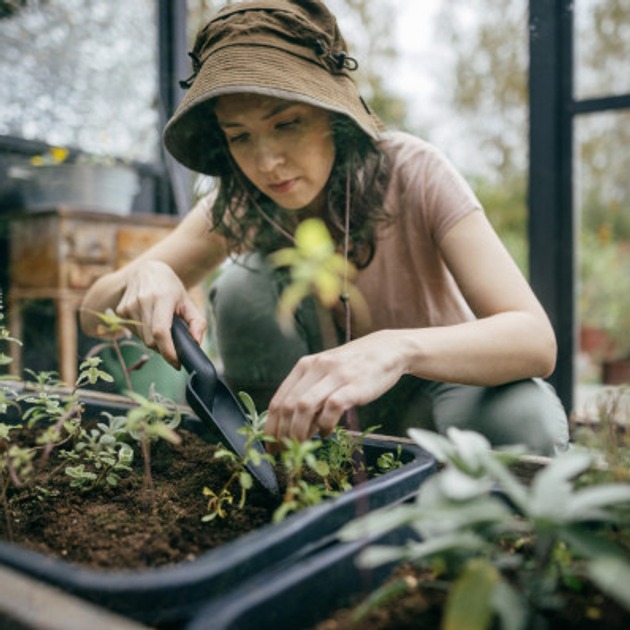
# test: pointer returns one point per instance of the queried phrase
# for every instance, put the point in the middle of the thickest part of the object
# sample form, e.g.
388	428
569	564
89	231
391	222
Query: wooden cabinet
58	254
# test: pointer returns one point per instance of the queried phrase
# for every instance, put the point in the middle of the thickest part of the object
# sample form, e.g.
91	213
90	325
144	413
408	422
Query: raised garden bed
171	579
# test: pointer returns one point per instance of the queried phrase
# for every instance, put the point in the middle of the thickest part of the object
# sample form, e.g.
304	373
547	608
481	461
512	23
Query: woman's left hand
321	387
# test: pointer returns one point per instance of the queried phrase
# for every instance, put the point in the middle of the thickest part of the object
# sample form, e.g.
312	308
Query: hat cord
185	84
345	295
341	60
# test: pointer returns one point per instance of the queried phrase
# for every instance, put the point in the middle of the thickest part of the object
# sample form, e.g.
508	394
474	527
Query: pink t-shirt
407	284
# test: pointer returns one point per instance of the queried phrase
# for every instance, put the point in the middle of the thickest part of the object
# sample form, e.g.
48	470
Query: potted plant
95	460
84	182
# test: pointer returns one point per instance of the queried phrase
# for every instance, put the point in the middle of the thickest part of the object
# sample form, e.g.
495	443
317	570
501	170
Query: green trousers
257	355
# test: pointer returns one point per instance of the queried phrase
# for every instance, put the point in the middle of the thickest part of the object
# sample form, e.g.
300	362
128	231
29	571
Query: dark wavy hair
246	217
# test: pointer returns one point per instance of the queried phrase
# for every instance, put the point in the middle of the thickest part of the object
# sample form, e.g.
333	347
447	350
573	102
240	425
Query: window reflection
82	73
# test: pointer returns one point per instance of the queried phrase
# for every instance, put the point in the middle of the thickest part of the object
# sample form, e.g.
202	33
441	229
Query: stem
48	447
148	479
123	365
5	506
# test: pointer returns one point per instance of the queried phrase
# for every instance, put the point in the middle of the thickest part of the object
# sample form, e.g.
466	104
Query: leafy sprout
316	269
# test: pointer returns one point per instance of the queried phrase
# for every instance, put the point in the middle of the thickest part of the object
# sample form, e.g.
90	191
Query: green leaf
375	555
509	606
561	469
471	447
586	503
254	456
379	522
612	576
433	442
321	468
246	481
469	604
459	486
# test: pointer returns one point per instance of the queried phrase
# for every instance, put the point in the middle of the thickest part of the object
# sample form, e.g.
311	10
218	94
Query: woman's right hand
153	294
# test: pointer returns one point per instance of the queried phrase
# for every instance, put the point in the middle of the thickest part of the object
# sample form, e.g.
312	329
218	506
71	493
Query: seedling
116	330
100	456
316	269
219	501
150	421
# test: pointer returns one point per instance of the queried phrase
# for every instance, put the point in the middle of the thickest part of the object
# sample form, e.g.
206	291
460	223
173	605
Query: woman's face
284	148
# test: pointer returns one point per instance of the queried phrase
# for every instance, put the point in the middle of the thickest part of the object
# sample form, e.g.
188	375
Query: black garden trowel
217	407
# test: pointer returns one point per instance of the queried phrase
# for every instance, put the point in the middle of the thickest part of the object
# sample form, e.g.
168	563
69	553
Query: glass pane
603	195
82	73
602	48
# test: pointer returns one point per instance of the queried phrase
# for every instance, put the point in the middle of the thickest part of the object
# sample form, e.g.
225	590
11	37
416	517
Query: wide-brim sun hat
288	49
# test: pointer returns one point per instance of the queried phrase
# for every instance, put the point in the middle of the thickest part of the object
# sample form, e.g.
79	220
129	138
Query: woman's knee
527	412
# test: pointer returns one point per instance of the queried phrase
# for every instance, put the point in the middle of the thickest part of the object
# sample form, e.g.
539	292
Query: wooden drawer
81	275
89	242
131	241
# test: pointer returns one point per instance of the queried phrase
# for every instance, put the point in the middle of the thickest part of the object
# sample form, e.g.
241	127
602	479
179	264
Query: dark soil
123	526
421	608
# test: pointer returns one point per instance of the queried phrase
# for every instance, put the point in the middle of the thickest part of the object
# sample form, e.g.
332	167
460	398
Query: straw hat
289	49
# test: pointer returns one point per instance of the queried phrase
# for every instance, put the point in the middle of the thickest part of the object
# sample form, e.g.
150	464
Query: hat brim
192	135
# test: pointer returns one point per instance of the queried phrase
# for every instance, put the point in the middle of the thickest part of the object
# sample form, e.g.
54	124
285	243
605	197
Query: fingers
197	324
310	400
153	294
322	387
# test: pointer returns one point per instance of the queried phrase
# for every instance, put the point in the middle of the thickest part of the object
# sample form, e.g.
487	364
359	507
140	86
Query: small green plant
116	330
314	469
92	457
316	269
100	455
504	554
151	420
389	460
219	501
298	457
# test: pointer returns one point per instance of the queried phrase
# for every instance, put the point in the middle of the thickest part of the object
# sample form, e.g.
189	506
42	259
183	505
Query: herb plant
503	547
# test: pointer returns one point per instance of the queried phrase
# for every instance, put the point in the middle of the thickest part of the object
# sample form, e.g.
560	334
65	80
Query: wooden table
57	254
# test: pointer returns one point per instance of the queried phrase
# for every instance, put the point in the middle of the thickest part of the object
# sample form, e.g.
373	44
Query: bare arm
511	339
154	286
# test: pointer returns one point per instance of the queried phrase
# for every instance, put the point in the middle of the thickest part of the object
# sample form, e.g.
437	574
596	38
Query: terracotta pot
616	371
594	340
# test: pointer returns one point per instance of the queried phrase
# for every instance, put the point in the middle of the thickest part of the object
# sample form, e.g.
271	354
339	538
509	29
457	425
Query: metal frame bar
173	65
552	237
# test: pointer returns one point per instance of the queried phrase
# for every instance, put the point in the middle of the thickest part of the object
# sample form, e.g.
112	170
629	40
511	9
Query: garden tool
215	405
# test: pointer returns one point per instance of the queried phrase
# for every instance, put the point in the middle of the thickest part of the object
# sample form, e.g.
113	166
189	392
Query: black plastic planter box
297	596
172	595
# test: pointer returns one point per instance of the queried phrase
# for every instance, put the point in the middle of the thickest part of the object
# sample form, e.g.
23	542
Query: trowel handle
192	357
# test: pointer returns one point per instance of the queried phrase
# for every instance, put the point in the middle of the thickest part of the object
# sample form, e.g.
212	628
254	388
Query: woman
455	335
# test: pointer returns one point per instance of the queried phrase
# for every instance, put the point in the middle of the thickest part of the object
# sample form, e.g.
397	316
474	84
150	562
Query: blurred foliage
9	8
488	39
604	285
